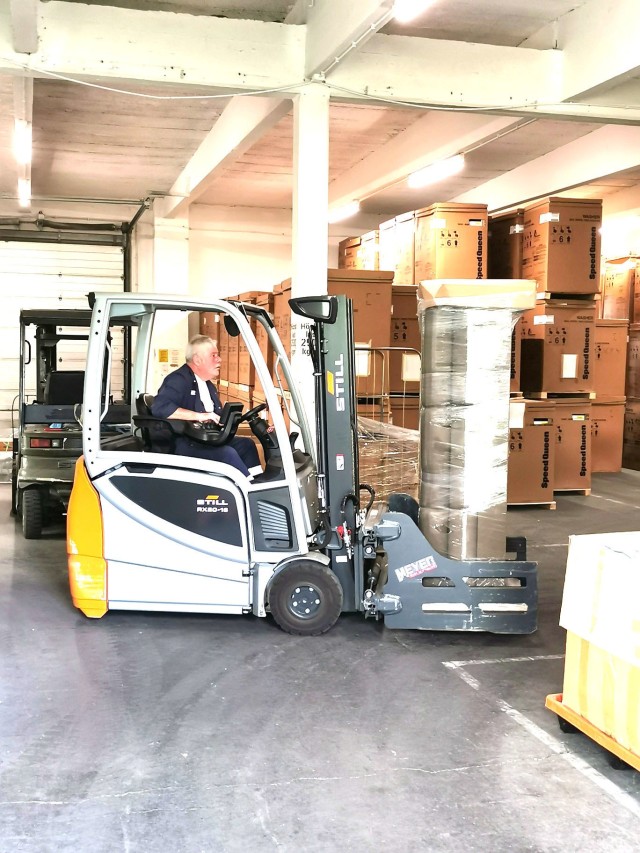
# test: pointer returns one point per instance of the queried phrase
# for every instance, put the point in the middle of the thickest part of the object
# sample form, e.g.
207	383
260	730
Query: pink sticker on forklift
414	570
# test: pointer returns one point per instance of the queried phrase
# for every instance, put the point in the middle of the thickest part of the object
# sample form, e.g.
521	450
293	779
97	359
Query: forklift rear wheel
32	514
305	598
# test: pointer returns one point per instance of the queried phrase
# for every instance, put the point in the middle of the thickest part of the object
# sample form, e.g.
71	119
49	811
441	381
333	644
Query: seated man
188	394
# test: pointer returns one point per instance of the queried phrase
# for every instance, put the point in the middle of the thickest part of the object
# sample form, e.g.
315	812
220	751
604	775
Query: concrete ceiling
193	100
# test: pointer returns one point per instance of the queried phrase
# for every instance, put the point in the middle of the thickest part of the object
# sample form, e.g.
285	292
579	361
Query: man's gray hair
196	343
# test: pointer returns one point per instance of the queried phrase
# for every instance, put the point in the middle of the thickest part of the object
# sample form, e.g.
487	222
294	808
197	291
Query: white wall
621	224
233	250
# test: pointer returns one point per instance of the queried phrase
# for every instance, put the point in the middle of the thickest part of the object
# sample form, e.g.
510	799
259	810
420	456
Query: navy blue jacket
179	390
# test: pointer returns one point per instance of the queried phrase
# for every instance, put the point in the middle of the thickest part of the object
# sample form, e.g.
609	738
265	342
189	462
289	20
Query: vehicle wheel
305	598
566	727
32	514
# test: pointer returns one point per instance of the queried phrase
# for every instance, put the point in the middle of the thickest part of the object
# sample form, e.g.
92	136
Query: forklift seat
64	387
157	434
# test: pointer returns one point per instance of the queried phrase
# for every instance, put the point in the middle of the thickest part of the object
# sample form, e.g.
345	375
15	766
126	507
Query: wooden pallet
545	296
585	492
543	505
569	721
558	395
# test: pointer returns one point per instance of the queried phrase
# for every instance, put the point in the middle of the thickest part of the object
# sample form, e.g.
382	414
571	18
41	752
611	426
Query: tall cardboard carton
451	241
572	466
396	247
631	440
265	301
600	614
405	410
633	362
404	363
610	357
246	368
359	253
618	289
531	452
370	293
561	245
504	255
557	347
607	432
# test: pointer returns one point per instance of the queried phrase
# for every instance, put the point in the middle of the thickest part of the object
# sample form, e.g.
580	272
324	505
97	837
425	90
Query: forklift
48	438
305	541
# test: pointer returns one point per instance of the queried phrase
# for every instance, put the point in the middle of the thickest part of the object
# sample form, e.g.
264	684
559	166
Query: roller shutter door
43	276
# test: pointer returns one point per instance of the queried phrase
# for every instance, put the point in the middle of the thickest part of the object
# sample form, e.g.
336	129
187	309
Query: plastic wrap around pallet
389	457
464	414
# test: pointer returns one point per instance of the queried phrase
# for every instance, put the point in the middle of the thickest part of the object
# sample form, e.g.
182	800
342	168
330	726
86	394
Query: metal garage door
48	275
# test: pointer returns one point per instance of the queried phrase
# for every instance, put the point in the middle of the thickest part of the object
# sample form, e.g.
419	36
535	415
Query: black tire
305	598
32	514
618	763
566	727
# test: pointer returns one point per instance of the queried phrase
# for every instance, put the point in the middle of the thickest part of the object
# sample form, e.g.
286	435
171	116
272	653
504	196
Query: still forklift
305	541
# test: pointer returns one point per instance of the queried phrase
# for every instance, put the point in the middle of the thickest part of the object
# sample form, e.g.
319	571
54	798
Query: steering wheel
252	413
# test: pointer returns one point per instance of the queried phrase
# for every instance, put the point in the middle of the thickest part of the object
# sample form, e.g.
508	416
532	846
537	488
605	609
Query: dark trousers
239	452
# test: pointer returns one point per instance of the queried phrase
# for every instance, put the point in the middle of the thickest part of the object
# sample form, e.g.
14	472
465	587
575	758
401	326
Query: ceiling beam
244	120
596	155
299	12
606	33
24	24
434	137
335	29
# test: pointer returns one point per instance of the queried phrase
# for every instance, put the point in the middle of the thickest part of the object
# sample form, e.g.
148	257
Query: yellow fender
85	550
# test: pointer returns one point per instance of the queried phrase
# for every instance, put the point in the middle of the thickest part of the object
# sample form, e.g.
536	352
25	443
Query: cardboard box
359	253
396	247
557	347
246	368
515	384
451	241
618	289
405	411
632	385
265	301
607	433
610	357
532	439
572	465
561	245
600	614
631	440
377	409
404	364
223	349
504	247
466	293
370	293
208	324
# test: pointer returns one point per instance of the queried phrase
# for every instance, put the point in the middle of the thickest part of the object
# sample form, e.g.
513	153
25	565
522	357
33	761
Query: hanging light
436	172
407	10
22	141
24	192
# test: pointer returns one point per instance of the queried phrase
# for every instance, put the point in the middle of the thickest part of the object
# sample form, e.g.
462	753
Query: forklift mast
331	347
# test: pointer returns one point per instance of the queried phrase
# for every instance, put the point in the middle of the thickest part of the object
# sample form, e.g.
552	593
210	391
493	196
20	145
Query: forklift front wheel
305	598
32	514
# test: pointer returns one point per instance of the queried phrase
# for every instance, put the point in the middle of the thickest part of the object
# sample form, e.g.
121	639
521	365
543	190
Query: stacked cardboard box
359	253
397	247
504	259
557	347
532	441
600	614
561	245
451	241
619	289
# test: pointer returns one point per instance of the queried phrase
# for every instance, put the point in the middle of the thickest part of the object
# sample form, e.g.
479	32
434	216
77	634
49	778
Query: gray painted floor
156	732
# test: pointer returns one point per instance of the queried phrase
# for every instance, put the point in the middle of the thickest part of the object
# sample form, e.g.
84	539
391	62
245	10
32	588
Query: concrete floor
157	732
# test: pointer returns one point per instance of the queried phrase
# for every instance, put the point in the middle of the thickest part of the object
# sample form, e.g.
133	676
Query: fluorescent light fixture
407	10
24	192
436	172
344	212
22	141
